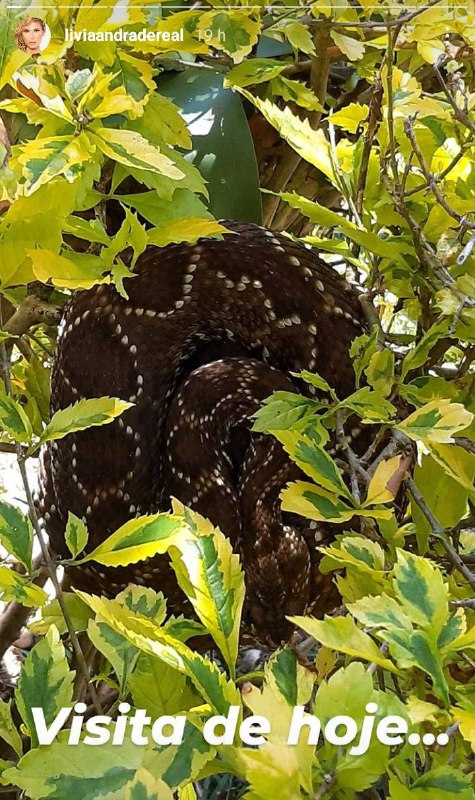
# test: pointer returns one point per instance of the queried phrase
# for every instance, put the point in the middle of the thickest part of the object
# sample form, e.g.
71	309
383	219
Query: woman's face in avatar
32	36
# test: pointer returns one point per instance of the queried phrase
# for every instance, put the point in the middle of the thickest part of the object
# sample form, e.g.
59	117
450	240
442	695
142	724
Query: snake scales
208	331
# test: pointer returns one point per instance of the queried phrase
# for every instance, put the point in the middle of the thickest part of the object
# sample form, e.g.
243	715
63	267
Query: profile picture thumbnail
32	35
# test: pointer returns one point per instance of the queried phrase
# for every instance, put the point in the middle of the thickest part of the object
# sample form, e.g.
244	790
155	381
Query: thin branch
374	116
393	23
44	547
441	534
460	114
430	177
32	311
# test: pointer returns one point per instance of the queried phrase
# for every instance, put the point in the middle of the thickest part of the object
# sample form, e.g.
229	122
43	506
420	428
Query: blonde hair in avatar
20	42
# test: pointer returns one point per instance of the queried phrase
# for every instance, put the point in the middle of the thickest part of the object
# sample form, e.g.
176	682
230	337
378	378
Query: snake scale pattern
209	330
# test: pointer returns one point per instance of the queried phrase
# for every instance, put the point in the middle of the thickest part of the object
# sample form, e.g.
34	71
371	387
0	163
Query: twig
374	117
430	177
460	115
384	650
394	23
465	442
440	533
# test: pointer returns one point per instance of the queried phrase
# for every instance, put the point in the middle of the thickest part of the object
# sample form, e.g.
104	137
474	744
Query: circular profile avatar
32	35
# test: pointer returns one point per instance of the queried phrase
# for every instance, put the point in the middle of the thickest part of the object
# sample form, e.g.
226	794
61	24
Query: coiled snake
208	331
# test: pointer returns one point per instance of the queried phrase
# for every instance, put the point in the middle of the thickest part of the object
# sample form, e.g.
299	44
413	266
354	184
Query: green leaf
380	371
256	70
456	462
45	682
74	271
13	418
156	641
47	158
210	575
370	405
138	539
314	461
159	688
442	783
281	411
83	414
331	219
132	150
438	421
16	534
14	586
76	535
418	355
350	117
232	31
317	503
94	772
300	38
51	614
311	145
444	493
352	48
119	652
342	634
8	730
184	230
380	611
422	591
295	92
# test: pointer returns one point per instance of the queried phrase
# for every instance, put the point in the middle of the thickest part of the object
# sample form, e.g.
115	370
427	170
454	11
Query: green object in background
223	150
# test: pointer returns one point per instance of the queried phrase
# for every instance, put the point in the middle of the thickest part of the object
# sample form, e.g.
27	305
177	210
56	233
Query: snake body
207	332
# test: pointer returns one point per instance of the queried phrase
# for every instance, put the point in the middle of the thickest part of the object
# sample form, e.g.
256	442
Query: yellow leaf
66	272
350	117
378	491
466	721
342	634
437	421
352	48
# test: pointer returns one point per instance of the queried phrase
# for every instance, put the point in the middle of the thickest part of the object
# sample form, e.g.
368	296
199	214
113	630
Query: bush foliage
364	130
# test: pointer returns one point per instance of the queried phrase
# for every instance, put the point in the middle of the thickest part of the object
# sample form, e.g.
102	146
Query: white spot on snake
294	260
125	339
179	304
312	328
150	312
257	284
139	311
